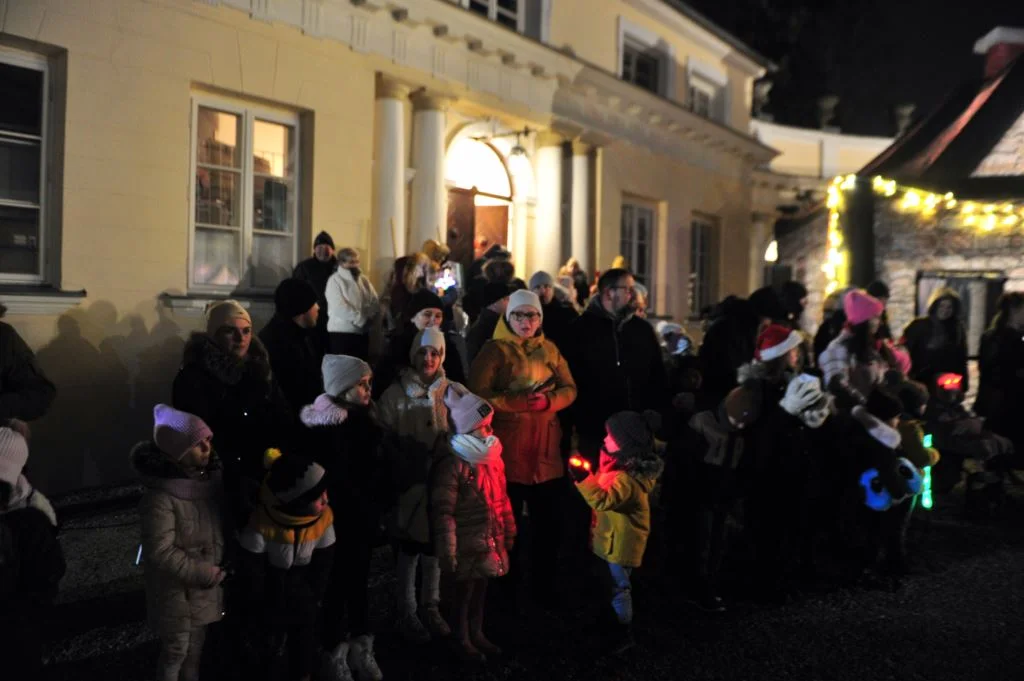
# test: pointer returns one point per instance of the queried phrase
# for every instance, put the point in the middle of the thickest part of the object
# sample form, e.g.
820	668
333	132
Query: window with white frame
506	12
23	144
245	162
701	100
702	245
706	90
636	243
642	66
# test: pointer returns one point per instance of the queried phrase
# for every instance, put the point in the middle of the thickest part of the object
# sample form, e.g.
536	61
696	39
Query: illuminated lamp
950	381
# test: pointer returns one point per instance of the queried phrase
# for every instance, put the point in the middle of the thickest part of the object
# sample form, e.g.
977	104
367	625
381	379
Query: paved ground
960	616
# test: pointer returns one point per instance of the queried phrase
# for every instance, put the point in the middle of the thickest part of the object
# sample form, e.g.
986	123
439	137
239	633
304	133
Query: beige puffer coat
182	542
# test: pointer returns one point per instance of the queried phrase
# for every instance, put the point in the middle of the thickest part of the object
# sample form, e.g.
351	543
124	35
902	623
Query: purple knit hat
175	432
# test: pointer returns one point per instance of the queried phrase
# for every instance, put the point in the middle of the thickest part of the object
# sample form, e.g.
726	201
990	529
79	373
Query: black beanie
323	238
295	480
424	299
633	431
293	297
495	291
883	406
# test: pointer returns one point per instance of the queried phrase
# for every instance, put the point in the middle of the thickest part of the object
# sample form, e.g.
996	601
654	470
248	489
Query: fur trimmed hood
160	473
882	433
644	466
322	413
202	350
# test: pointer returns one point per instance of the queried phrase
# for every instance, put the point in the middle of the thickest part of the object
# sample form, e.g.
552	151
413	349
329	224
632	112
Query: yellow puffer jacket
912	437
622	509
505	373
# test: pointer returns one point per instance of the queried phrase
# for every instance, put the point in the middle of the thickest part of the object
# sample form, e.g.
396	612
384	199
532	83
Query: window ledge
39	300
194	305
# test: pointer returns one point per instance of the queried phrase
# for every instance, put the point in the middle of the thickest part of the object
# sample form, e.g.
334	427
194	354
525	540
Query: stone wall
803	249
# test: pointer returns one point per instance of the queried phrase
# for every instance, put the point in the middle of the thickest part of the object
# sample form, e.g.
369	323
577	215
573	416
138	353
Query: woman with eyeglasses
526	379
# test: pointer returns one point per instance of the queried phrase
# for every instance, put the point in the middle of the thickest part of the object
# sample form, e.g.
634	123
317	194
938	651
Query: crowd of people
490	431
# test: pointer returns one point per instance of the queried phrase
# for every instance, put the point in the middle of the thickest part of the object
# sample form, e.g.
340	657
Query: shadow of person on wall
63	440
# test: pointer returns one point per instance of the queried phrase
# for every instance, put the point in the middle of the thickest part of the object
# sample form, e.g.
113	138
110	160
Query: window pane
19	169
273	205
217	257
19	240
271	260
217	141
21	100
273	149
478	6
511	5
642	259
506	20
218	197
643	224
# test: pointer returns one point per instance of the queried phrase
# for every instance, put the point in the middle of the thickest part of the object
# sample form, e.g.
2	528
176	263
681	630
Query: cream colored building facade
189	150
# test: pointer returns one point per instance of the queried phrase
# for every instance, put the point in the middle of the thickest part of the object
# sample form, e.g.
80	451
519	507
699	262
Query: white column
758	243
388	241
581	234
429	198
546	237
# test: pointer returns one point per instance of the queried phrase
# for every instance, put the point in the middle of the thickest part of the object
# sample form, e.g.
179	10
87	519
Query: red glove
538	402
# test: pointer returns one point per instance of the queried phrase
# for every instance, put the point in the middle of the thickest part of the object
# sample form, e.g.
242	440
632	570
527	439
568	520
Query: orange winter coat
505	373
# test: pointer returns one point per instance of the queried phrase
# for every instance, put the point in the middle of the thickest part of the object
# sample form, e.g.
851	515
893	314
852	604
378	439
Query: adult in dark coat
290	340
937	343
496	268
225	379
616	360
425	308
494	299
557	315
728	344
25	393
1001	368
316	271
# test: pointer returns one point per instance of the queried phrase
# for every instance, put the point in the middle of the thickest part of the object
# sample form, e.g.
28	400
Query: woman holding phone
526	379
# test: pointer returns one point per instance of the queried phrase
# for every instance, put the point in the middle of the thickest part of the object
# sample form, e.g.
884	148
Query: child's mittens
39	502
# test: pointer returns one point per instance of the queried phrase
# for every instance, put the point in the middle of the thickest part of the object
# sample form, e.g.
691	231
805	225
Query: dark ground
959	616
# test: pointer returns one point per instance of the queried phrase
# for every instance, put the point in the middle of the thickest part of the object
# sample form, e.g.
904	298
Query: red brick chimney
1000	46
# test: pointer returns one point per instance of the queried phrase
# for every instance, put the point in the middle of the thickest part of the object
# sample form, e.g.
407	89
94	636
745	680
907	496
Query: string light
986	216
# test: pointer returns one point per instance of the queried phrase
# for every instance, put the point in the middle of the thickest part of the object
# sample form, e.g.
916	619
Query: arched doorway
480	199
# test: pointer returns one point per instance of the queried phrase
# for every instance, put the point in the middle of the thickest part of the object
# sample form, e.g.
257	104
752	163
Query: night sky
874	54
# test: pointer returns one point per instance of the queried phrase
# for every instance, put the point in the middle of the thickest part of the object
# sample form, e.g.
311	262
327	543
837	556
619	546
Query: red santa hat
775	341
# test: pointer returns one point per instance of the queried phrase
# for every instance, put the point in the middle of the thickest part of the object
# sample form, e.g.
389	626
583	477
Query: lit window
506	12
245	209
701	268
636	244
23	144
642	67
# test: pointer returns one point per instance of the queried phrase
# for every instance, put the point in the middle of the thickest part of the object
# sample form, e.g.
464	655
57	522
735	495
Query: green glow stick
926	492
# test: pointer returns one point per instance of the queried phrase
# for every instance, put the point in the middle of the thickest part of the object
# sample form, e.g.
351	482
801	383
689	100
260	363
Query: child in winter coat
914	397
31	561
182	537
344	435
414	407
717	451
286	564
619	495
472	516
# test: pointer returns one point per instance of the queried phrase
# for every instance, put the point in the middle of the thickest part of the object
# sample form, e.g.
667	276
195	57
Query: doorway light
771	254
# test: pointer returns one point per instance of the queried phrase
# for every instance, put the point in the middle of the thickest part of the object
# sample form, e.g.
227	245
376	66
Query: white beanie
341	372
220	314
523	298
429	337
541	278
13	455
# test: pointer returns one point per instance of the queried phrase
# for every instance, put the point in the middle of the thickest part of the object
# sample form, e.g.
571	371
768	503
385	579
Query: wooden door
461	226
492	224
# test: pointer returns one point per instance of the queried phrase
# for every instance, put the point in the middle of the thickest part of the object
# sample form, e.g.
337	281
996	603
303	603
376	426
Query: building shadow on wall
109	371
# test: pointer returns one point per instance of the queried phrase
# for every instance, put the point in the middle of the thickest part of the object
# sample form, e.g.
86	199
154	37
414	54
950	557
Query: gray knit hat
13	455
633	431
428	337
541	278
341	372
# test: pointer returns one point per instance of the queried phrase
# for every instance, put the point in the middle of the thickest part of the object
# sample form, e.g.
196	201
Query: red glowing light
950	381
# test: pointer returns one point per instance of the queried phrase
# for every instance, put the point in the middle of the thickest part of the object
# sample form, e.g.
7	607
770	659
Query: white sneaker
411	629
334	664
434	622
362	661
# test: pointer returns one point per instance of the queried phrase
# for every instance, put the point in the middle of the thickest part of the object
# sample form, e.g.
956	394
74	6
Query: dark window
642	67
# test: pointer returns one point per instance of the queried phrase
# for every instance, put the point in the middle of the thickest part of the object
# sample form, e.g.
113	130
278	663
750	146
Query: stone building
942	206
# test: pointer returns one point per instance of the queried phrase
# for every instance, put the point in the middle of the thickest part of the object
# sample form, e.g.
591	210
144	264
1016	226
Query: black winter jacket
25	393
557	319
317	273
294	360
243	406
617	367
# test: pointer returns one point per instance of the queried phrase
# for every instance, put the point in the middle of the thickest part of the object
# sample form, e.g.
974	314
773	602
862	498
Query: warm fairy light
986	216
989	223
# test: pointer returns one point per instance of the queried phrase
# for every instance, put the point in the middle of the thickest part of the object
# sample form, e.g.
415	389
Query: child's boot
334	664
362	661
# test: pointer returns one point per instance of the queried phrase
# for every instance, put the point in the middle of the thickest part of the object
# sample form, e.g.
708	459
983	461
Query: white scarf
475	451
